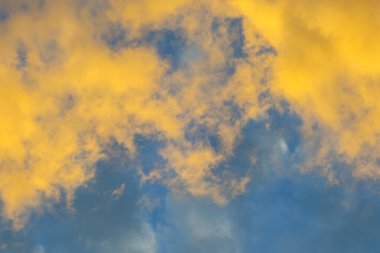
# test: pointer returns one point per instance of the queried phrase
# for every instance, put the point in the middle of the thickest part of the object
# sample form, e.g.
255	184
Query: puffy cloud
76	74
327	69
284	209
190	74
97	222
55	113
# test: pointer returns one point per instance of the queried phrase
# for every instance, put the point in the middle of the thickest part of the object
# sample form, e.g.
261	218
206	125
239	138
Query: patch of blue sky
237	40
25	6
4	15
107	217
22	57
266	49
115	36
266	144
148	152
282	211
180	52
170	45
196	132
287	125
148	158
235	37
196	225
303	213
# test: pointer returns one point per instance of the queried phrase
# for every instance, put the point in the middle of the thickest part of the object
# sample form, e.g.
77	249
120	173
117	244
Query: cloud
118	191
327	69
192	75
194	225
76	75
97	222
284	209
54	113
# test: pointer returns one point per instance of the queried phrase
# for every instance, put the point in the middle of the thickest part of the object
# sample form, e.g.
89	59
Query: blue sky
283	210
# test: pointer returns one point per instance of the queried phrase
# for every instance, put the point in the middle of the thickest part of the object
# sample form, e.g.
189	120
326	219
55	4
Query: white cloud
142	242
39	249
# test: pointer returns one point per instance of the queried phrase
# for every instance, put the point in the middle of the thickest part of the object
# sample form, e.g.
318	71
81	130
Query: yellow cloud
55	115
65	94
327	67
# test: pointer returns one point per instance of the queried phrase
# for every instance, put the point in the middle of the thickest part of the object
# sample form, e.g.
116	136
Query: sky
208	126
